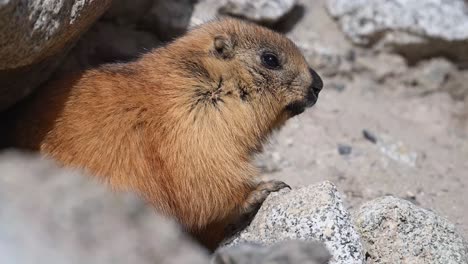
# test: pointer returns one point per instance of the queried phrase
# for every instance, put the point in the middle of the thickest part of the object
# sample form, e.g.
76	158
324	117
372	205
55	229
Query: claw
252	204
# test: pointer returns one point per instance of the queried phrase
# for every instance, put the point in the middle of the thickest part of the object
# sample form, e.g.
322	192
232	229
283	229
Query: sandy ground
421	134
421	149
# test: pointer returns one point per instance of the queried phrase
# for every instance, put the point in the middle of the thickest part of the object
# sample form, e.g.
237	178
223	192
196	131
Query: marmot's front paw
253	203
258	196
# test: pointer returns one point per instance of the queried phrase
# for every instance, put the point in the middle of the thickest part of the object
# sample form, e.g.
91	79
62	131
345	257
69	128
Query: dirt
417	136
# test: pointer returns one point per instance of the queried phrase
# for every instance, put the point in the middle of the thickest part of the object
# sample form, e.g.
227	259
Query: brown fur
179	125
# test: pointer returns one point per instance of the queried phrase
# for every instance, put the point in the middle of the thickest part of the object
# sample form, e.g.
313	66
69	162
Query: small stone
263	11
411	197
339	87
312	213
369	136
456	85
344	149
398	151
429	76
394	229
289	142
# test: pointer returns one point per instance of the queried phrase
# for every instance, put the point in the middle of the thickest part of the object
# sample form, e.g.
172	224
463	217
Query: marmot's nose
317	83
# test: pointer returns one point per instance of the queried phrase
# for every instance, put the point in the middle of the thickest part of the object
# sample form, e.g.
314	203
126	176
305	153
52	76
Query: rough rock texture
311	213
167	19
34	36
125	12
429	76
417	29
456	85
397	231
263	11
50	215
105	42
285	252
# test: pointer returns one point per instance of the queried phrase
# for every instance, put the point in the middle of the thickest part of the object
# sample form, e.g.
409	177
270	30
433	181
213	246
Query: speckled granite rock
417	29
396	231
312	213
55	216
34	36
263	11
286	252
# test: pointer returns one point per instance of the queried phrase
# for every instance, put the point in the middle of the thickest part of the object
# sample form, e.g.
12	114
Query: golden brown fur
180	124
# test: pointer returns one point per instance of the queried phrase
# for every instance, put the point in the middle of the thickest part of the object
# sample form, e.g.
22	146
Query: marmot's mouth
298	107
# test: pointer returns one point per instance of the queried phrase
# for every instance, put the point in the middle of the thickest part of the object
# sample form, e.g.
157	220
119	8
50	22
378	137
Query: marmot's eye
270	61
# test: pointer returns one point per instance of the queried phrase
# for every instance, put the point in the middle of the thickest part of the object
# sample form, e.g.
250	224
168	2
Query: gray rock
397	150
34	36
429	76
456	85
126	12
328	61
105	42
51	215
417	29
396	231
168	19
313	213
286	252
344	149
263	11
383	66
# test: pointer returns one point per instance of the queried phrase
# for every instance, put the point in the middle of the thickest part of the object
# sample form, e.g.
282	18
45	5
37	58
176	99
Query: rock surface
34	36
105	43
417	29
286	252
429	76
397	231
311	213
167	19
50	215
263	11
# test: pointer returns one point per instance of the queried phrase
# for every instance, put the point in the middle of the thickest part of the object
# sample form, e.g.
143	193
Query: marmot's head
243	69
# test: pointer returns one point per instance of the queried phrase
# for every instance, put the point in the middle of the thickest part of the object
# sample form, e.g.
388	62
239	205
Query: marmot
180	124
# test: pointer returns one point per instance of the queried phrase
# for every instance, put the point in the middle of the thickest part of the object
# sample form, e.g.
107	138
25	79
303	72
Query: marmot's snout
314	88
311	97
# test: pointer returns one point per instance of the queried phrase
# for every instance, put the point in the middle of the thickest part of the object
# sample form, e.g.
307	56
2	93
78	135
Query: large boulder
35	36
416	29
396	231
51	215
313	213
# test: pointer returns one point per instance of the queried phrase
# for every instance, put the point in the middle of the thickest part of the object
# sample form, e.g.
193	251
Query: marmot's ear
223	46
